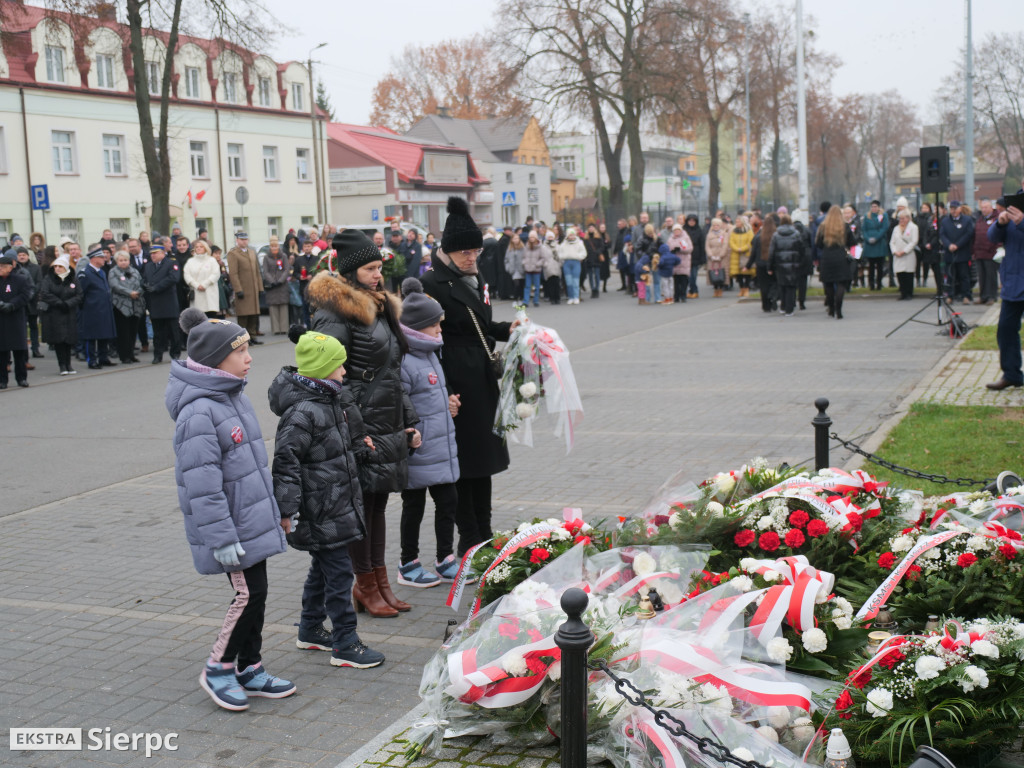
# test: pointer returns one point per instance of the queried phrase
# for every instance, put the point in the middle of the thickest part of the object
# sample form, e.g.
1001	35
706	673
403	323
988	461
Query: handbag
716	276
496	358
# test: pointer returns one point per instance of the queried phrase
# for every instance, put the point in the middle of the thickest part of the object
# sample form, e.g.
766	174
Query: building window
297	103
113	154
264	91
510	215
421	214
270	163
236	161
566	161
274	226
508	177
104	71
239	224
3	151
70	228
307	221
230	87
153	77
534	211
192	86
197	158
202	224
54	64
689	165
5	232
119	227
302	164
63	143
533	178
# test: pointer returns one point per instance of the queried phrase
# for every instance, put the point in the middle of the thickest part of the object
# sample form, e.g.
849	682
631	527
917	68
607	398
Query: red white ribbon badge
236	434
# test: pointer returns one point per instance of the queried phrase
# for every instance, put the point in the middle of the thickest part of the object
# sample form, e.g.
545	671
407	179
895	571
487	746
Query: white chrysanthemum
843	605
932	641
985	648
742	583
643	564
607	697
674	690
514	664
715	509
842	621
555	672
724	483
769	733
554	522
902	544
976	678
675	520
1018	631
1017	490
814	640
529	389
779	649
931	554
523	526
802	728
928	667
977	507
977	543
748	564
879	702
778	717
764	523
524	410
742	753
560	534
772	576
716	697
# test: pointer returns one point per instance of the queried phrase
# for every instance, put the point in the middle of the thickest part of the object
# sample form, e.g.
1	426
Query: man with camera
1008	229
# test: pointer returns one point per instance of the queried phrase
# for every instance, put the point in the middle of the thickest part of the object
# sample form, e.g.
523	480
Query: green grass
857	291
984	338
955	441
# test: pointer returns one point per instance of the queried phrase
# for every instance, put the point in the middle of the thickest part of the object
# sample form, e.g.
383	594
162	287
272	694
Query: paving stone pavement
105	623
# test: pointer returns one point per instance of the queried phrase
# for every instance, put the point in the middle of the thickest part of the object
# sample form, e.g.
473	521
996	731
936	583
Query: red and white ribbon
458	586
491	686
643	722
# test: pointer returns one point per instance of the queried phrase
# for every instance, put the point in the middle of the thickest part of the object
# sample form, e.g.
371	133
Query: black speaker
934	170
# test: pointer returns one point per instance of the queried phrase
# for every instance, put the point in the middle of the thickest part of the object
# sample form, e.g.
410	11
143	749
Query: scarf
192	365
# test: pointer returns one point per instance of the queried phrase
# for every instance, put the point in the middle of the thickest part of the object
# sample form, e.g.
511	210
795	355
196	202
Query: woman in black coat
786	257
929	248
59	299
466	328
351	305
836	267
698	258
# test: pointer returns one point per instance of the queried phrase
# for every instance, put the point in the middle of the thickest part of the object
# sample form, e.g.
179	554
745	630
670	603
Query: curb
387	736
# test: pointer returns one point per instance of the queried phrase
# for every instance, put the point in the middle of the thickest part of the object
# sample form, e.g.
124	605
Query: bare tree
887	122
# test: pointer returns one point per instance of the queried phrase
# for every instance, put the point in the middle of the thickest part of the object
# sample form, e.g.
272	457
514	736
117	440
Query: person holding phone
1008	229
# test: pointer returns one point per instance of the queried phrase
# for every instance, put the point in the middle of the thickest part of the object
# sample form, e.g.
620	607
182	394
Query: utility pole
746	91
320	217
801	108
969	113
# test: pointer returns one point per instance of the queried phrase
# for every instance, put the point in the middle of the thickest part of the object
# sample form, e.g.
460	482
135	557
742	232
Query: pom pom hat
419	311
353	250
210	340
460	231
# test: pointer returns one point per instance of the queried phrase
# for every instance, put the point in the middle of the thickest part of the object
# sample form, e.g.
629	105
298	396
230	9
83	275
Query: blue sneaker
258	682
449	567
412	574
223	687
356	655
318	639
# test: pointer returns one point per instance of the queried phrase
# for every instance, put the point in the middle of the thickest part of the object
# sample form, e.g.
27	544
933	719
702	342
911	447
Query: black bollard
821	423
574	638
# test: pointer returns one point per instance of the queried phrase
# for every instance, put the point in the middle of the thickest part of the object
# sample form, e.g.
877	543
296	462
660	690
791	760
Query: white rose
529	389
724	483
670	593
928	667
715	509
879	702
523	526
524	410
742	753
675	520
779	649
644	564
560	534
902	544
778	717
815	640
514	664
802	728
985	648
769	733
976	678
842	622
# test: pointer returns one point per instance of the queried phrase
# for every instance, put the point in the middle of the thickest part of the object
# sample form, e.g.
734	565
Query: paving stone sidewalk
105	623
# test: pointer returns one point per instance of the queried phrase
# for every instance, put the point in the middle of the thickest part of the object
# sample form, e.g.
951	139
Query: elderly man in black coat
467	326
96	312
15	293
160	278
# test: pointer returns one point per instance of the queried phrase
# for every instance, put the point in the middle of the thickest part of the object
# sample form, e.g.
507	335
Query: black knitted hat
354	250
460	231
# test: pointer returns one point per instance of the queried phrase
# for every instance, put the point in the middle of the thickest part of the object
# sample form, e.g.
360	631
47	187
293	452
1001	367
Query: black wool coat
315	472
467	369
160	284
835	264
96	313
373	367
15	290
786	255
62	299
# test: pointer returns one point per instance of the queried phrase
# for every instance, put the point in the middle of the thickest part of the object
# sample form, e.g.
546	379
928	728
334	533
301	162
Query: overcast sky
908	44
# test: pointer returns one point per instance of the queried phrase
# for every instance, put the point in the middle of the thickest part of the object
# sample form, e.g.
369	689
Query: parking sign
40	198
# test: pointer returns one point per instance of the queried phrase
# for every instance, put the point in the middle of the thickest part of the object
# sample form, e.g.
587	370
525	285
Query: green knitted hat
318	355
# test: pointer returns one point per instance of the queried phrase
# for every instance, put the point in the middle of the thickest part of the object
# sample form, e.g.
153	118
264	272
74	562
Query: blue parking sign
374	214
40	198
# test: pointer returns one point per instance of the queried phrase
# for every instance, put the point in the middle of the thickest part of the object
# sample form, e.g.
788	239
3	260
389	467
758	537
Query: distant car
384	228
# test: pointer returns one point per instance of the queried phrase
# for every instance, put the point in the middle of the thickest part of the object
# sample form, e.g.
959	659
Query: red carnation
745	537
891	659
1009	551
844	702
799	518
539	555
911	529
874	512
817	528
769	541
856	520
500	542
661	519
914	572
887	560
581	539
535	635
860	680
573	526
967	559
795	538
509	629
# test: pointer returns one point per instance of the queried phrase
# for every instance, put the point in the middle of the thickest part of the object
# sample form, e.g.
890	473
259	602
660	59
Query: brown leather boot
366	596
718	293
384	586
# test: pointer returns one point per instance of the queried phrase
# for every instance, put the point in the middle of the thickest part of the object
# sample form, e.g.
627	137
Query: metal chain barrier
941	479
664	719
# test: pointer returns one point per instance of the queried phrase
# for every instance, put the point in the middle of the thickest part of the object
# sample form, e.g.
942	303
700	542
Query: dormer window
297	100
192	88
230	87
264	91
104	70
54	64
153	77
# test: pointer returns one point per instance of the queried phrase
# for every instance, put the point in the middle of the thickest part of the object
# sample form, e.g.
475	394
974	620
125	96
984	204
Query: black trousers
143	333
96	350
328	592
553	287
906	281
368	553
63	352
801	291
473	513
875	270
834	293
788	293
766	285
414	502
20	365
241	636
164	336
127	327
988	280
33	332
960	271
680	283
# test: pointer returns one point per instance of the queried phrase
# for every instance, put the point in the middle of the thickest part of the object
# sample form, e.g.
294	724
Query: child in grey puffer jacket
226	494
434	466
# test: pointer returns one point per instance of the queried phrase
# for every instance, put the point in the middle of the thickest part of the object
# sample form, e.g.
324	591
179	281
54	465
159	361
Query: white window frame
265	89
74	232
270	164
307	221
105	71
239	161
568	162
240	224
114	155
508	177
298	100
533	178
200	154
5	232
153	77
3	150
302	164
231	87
193	85
55	64
59	168
120	226
274	226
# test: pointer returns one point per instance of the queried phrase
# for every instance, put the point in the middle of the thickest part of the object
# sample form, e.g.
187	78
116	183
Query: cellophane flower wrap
537	379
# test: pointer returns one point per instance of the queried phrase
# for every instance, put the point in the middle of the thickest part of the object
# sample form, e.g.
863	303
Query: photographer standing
1008	229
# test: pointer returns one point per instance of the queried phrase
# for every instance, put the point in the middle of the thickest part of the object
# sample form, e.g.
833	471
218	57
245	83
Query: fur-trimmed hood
335	295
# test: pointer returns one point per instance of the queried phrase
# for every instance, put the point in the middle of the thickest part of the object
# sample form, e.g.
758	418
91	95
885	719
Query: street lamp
746	90
321	218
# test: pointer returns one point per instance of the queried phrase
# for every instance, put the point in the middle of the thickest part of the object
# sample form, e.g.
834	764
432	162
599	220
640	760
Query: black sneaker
318	639
356	655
